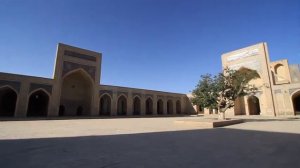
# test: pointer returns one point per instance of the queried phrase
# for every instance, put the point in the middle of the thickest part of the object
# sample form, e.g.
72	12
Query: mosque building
75	90
278	85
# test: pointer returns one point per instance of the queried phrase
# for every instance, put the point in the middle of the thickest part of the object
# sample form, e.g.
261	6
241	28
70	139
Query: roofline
142	89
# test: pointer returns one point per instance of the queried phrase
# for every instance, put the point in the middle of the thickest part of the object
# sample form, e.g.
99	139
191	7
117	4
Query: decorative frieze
14	84
170	97
69	66
149	95
34	86
177	99
160	97
291	91
124	93
137	94
80	56
277	91
109	92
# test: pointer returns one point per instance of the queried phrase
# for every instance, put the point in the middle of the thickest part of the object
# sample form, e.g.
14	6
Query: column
174	107
129	104
114	103
143	105
154	104
22	102
165	107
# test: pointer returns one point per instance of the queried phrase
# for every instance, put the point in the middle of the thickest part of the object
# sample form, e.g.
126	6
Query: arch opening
169	107
279	72
136	106
76	93
253	105
38	104
160	107
8	99
149	106
122	105
239	106
178	107
296	103
61	111
79	111
105	105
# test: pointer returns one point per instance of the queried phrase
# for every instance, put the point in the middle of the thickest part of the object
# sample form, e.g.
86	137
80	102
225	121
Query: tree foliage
205	94
220	91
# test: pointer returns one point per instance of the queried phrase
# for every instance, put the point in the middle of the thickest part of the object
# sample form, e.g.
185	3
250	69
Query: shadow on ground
198	148
274	119
90	117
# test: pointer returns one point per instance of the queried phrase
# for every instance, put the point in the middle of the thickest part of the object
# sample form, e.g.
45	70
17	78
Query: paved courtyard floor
149	142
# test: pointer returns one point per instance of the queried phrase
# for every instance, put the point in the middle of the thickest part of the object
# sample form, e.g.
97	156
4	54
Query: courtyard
149	142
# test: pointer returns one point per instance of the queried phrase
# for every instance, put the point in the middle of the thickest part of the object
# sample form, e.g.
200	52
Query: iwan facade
75	90
278	85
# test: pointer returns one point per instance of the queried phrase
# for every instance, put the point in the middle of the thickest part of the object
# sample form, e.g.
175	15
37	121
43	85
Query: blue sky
152	44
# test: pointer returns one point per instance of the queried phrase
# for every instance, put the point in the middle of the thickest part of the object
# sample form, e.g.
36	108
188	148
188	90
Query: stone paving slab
209	123
148	143
88	127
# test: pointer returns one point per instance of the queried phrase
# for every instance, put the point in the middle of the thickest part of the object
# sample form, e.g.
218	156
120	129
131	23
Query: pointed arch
38	103
39	89
149	106
122	105
81	70
279	70
295	98
79	110
240	106
105	104
76	92
9	87
160	107
8	101
253	105
170	107
178	107
136	105
61	111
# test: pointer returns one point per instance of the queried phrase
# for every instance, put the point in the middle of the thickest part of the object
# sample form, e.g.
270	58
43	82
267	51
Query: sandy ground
149	142
89	127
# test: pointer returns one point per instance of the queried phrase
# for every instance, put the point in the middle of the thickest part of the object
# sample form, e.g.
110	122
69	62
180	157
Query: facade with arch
75	90
278	85
8	101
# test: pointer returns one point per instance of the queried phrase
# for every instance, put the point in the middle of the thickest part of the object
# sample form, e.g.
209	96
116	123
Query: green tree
205	94
221	91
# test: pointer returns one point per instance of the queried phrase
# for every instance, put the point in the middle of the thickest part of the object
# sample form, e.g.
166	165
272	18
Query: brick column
22	102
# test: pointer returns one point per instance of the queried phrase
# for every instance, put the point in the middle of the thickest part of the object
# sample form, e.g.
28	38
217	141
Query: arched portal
239	106
296	102
149	106
38	104
105	105
122	105
136	106
76	93
8	99
160	107
253	105
79	111
170	107
280	72
61	110
178	107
